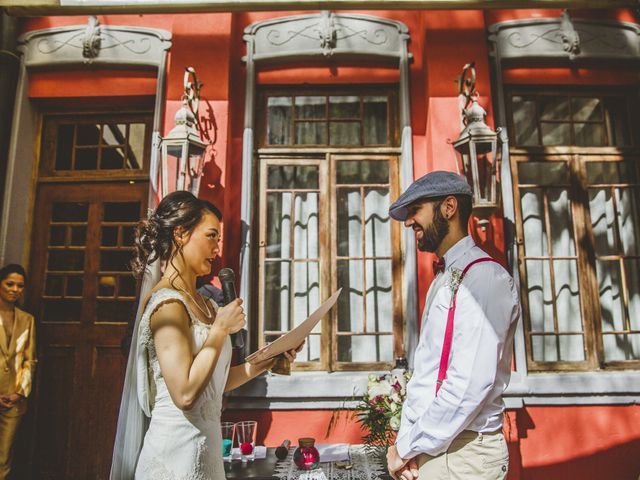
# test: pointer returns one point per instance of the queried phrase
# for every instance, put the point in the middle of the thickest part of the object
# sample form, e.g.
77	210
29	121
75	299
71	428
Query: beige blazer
18	359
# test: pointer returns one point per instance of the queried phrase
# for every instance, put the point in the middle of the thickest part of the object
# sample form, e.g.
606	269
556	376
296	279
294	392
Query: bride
179	363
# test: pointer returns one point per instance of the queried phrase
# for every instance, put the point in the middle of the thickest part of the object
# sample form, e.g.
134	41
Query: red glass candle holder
306	456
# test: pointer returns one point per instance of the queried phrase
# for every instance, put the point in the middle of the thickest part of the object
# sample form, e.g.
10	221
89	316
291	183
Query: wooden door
83	295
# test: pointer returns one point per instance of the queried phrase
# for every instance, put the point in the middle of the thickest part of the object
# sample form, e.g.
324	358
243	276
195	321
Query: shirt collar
457	250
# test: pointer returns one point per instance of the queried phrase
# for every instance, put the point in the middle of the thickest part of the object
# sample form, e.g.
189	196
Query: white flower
382	388
394	423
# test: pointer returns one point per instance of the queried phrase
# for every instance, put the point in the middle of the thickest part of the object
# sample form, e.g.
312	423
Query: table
270	468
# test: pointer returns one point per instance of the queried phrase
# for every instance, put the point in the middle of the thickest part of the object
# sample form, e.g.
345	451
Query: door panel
83	296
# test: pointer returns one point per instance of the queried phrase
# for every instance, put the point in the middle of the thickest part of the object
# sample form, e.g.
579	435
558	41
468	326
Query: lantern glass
479	157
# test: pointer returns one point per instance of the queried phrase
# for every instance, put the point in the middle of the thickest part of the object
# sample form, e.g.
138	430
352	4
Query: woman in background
17	360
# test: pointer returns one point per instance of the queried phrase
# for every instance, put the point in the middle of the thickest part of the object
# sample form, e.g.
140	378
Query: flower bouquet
379	411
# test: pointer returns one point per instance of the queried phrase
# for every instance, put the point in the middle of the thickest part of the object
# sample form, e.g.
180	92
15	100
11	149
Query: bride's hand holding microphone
230	318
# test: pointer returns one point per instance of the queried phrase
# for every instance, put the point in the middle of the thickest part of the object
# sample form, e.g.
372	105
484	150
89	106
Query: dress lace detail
181	445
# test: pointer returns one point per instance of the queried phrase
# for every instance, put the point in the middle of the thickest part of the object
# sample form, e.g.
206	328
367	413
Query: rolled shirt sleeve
482	322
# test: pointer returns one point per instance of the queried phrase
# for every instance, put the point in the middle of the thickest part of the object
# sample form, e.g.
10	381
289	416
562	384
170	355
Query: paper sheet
295	337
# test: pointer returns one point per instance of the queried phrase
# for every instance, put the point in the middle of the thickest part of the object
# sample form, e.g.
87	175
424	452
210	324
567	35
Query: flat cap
432	185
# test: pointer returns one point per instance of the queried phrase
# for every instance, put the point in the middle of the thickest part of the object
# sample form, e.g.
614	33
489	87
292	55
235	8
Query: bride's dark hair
155	237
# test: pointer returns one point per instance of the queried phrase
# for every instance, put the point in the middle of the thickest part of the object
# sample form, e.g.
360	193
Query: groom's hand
409	471
395	463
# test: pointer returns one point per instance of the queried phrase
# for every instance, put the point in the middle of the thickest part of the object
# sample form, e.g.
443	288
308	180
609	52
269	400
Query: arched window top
325	35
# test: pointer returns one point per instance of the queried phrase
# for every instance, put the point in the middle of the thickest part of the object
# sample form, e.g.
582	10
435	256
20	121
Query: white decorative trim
336	36
67	48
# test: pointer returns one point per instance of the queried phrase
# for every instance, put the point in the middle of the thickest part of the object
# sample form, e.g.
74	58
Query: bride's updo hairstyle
155	237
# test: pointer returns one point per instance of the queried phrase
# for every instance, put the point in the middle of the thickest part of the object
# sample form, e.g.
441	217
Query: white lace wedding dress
182	445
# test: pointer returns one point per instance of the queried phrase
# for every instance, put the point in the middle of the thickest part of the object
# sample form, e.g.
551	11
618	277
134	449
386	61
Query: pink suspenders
448	333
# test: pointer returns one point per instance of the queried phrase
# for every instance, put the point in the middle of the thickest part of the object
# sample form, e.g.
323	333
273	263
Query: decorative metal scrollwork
467	85
192	90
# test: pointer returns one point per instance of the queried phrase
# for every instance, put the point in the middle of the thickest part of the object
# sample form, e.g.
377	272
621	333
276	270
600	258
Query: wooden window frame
576	158
328	252
47	170
327	91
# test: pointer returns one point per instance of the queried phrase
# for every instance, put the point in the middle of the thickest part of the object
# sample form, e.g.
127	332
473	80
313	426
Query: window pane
115	261
278	225
628	203
350	304
114	134
137	135
292	176
543	173
69	212
554	108
276	305
64	147
524	120
106	286
375	120
126	286
86	158
109	236
567	295
344	107
121	212
611	172
362	171
545	348
112	158
632	267
617	121
306	290
66	260
57	235
571	348
560	219
349	222
540	296
87	134
114	310
344	133
377	223
589	134
586	109
379	301
305	227
533	223
602	221
74	286
279	121
54	286
78	236
365	348
64	310
611	301
621	347
310	107
556	133
311	133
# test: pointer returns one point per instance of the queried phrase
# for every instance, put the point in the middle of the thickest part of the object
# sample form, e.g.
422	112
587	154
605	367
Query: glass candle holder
306	456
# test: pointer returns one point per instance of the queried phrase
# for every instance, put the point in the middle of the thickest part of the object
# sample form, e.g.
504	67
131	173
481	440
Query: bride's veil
134	406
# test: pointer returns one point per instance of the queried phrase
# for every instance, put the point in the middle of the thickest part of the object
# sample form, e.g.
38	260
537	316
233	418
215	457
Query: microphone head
227	275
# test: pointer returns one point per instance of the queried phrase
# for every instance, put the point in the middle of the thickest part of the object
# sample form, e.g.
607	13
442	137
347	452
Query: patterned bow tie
438	266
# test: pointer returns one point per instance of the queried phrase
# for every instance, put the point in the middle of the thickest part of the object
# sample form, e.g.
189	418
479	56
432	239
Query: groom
452	419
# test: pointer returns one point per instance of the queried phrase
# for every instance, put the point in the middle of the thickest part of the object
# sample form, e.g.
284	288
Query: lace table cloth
364	467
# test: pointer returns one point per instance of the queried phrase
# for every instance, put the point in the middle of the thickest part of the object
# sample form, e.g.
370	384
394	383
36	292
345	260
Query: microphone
228	282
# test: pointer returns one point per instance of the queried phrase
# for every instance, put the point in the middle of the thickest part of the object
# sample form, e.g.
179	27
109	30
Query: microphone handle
229	293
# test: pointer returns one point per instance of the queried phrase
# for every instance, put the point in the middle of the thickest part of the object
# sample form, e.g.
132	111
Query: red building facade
318	120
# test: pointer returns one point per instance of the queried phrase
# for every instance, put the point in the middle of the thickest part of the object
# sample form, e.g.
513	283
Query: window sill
322	390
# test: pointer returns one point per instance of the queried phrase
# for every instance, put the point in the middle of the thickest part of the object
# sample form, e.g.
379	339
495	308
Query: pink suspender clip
448	333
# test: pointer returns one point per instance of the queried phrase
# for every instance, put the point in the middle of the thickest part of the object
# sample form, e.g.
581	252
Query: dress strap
448	333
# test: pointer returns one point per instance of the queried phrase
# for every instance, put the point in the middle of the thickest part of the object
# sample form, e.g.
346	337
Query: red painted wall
546	443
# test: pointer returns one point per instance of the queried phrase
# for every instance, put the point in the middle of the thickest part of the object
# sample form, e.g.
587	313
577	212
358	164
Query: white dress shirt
470	398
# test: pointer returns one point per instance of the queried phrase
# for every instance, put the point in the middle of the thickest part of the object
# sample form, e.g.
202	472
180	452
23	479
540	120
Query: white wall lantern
183	150
480	148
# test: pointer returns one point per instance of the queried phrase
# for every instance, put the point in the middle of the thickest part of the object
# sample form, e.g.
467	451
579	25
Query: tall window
327	174
577	175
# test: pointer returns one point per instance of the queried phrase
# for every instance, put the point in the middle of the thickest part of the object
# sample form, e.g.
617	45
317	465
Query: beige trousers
8	428
471	456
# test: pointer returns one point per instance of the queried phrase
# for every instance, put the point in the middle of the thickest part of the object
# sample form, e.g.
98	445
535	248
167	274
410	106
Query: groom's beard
434	234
